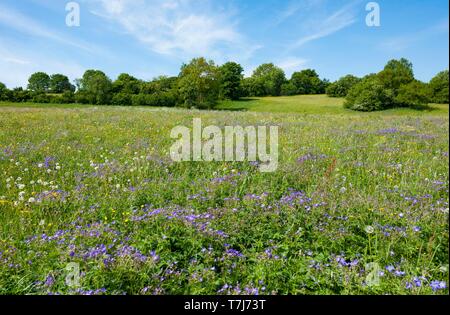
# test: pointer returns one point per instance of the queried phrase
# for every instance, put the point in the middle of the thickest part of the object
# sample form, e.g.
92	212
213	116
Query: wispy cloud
17	63
400	43
329	25
20	22
179	28
292	64
294	8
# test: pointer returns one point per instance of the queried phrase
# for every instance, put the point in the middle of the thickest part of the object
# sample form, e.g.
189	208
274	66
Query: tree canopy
199	84
39	82
95	88
341	87
394	86
268	80
60	83
231	80
439	88
308	82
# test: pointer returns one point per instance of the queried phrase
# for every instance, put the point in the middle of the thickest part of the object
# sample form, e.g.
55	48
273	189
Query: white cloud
400	43
292	64
17	63
25	24
178	28
337	21
294	8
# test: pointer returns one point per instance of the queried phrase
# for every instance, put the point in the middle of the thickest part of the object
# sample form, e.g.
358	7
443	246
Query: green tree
4	92
159	84
341	87
95	88
369	95
126	84
439	88
20	95
414	94
267	80
288	89
230	80
39	82
396	73
308	82
60	83
252	87
199	84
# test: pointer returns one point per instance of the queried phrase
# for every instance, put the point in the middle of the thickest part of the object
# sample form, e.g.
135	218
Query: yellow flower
3	201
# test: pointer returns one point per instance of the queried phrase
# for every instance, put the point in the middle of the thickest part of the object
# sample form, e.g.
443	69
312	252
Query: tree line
201	84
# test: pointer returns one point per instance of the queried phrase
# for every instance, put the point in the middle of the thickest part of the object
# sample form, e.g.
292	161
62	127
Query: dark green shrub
4	92
164	99
41	98
82	97
439	88
68	97
341	87
288	89
19	95
121	99
414	95
369	95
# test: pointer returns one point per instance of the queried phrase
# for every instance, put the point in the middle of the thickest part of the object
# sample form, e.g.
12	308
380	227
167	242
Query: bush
121	99
82	97
439	88
19	95
369	95
288	89
163	99
41	98
56	99
341	87
4	92
414	95
68	97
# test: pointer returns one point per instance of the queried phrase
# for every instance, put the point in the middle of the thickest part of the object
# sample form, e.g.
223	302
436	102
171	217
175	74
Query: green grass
95	186
312	104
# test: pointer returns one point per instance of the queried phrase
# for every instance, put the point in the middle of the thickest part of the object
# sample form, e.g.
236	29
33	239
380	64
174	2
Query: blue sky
147	38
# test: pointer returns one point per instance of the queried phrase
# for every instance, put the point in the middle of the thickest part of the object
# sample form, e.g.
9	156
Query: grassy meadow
358	205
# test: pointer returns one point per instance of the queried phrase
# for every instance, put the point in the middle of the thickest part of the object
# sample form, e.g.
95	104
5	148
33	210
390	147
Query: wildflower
417	282
369	229
49	281
399	273
31	200
438	285
390	268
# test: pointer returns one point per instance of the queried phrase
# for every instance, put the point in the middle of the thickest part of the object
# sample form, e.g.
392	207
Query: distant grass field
312	104
358	205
